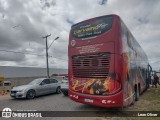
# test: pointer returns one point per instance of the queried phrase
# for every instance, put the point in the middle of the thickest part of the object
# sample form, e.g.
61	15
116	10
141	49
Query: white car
65	86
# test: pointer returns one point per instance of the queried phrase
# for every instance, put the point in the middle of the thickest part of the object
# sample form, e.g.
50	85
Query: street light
53	41
47	51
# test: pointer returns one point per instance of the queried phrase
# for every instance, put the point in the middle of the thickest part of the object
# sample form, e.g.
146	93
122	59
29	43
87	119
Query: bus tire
137	93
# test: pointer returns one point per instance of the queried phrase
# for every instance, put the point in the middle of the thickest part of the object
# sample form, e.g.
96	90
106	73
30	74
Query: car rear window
53	81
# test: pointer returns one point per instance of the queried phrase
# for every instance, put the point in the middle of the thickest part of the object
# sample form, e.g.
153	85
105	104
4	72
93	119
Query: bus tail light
104	101
74	96
116	86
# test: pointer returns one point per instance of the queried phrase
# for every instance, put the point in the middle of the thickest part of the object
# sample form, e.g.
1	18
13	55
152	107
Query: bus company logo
91	28
102	25
6	113
73	43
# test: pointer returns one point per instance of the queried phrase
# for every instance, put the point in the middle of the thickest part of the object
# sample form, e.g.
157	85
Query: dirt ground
149	101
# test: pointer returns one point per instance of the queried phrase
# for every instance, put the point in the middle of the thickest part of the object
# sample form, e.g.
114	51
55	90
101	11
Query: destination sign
92	28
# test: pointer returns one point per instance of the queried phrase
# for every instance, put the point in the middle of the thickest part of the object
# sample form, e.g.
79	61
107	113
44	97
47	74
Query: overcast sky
24	22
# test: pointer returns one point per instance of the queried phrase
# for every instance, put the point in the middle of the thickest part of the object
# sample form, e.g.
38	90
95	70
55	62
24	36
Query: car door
44	86
54	85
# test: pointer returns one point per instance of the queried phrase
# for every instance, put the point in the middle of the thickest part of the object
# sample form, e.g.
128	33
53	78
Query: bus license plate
88	100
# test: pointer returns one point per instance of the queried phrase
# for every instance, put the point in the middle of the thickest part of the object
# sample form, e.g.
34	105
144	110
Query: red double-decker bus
107	66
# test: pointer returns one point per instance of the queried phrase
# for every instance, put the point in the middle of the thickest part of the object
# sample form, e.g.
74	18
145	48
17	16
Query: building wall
25	80
12	72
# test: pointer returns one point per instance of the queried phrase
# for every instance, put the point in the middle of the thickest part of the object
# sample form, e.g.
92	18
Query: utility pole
47	54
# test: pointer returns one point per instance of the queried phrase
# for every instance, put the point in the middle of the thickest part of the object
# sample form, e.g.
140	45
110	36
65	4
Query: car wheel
31	94
58	90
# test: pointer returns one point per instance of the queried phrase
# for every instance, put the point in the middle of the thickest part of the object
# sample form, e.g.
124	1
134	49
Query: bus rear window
92	28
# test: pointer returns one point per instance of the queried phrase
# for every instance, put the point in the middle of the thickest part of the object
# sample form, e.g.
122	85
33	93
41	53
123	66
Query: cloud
103	2
35	19
11	57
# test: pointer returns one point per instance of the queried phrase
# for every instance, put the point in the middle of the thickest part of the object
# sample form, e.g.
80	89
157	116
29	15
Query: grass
149	101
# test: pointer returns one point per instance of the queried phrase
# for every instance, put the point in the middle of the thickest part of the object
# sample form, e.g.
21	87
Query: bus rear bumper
101	101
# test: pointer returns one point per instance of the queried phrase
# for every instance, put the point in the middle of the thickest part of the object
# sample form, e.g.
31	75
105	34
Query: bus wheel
137	94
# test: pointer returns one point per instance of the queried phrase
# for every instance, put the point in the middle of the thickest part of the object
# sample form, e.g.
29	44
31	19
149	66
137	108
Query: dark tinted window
46	81
7	84
53	81
65	78
92	28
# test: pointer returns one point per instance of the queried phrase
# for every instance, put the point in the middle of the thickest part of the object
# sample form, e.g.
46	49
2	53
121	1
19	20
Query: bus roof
114	15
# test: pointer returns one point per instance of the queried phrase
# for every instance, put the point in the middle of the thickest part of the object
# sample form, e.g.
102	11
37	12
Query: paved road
59	102
52	102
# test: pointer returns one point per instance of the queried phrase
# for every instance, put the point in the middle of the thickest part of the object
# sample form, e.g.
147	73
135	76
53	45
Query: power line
21	52
61	59
17	52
